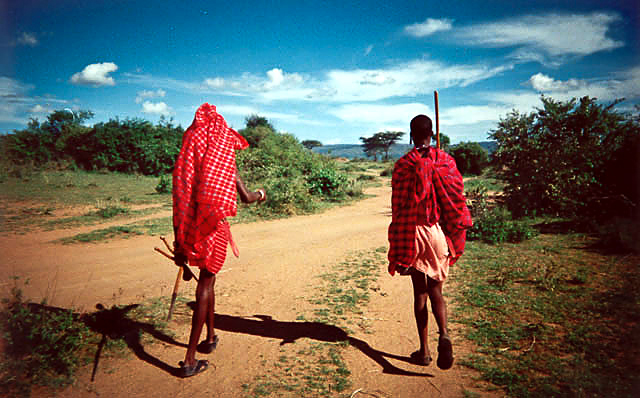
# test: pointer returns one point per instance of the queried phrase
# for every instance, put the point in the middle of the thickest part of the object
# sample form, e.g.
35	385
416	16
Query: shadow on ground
290	331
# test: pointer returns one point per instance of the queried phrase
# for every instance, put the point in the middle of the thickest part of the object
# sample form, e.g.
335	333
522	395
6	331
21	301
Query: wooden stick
174	295
435	97
167	255
164	240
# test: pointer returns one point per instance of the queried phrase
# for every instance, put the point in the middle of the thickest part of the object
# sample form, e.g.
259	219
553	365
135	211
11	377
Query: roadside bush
43	343
471	158
493	223
569	159
326	181
295	178
164	185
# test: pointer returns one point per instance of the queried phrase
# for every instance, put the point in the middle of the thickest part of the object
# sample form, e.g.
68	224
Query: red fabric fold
204	183
426	190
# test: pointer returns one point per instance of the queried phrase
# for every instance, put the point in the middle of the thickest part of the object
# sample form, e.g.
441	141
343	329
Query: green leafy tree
253	121
380	143
561	159
471	158
310	144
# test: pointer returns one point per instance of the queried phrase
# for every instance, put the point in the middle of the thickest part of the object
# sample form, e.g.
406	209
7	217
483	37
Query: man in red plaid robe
204	195
427	231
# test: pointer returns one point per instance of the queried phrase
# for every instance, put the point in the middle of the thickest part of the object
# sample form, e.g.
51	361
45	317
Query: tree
559	160
380	142
253	121
471	158
310	144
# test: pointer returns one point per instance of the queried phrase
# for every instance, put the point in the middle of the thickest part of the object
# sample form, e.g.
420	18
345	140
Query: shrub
570	159
326	181
164	185
494	224
43	343
471	158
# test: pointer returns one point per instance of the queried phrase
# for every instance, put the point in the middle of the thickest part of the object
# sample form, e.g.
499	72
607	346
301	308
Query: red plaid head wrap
205	171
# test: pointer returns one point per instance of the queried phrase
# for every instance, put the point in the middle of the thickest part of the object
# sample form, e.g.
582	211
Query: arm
249	197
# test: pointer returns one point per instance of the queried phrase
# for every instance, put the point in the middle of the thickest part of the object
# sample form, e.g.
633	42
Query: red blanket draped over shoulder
204	182
426	190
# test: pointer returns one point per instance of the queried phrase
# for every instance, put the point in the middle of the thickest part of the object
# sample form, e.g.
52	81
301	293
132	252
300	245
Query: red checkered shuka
426	190
204	188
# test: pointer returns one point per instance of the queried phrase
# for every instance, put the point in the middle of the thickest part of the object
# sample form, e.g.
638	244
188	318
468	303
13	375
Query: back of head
421	129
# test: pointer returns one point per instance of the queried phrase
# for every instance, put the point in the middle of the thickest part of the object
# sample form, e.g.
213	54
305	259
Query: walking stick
435	97
181	270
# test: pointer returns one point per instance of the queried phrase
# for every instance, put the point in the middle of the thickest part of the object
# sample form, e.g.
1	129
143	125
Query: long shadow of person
115	323
289	332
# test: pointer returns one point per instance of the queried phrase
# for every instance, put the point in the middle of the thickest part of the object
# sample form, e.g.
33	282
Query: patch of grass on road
552	316
310	368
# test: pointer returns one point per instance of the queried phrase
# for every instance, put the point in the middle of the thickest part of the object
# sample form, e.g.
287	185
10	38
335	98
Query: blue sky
327	70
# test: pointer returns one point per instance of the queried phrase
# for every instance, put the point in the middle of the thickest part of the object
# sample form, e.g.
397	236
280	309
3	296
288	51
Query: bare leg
421	310
211	312
438	304
439	308
201	314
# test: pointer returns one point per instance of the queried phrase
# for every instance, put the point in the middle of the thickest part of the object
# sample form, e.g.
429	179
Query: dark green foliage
254	121
130	146
294	177
43	344
379	143
570	159
471	158
310	144
326	181
164	185
494	224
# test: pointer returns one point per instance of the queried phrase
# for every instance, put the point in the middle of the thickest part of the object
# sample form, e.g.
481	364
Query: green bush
570	159
294	177
43	343
326	181
130	146
471	158
164	185
494	224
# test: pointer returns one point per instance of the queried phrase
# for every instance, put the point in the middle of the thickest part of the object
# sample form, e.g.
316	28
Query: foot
206	347
420	359
445	352
188	371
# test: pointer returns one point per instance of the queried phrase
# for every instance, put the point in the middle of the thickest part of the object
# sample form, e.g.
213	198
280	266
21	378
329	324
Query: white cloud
544	83
148	94
428	27
156	108
407	79
95	75
39	109
553	35
385	117
472	114
17	105
28	39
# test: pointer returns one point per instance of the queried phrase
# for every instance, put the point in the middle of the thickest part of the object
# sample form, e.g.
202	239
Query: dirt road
274	276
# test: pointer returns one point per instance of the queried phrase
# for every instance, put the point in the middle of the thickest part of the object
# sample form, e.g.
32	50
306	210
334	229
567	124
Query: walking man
427	232
205	183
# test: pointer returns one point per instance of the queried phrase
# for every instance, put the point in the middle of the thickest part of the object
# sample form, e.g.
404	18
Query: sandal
445	352
207	348
188	371
419	359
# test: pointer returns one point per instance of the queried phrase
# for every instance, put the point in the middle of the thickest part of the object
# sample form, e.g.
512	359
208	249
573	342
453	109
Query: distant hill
353	151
